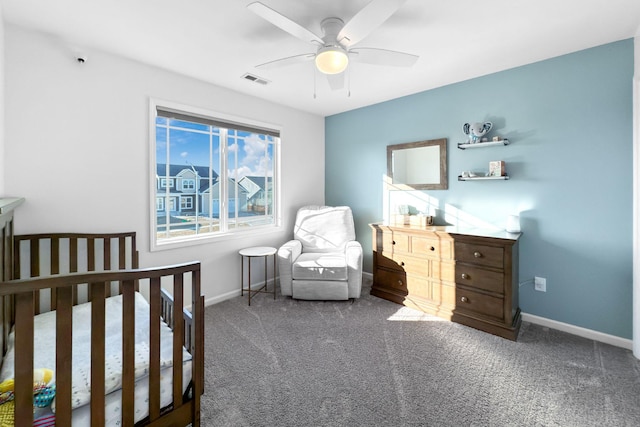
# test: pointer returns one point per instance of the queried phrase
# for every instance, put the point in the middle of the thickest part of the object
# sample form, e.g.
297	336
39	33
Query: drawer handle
393	242
402	263
477	254
464	299
400	283
465	276
432	248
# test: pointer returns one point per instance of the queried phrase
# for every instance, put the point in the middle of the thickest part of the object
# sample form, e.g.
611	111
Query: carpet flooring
285	362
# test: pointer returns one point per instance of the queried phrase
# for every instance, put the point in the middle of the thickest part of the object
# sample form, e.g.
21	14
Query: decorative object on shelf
400	219
513	224
470	174
476	130
419	220
496	168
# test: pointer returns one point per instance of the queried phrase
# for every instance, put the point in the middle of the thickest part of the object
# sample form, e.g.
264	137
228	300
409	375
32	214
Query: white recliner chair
323	261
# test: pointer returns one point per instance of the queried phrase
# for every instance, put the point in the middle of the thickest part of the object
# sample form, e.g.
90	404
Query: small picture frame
496	168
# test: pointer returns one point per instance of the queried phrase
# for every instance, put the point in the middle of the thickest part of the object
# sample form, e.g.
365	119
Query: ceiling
218	41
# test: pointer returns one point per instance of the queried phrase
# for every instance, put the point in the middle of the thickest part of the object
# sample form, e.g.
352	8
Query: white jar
513	224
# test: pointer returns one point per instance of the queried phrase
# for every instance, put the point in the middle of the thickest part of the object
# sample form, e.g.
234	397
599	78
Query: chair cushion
324	228
320	266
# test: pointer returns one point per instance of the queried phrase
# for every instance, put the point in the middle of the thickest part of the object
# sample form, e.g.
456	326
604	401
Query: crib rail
37	255
175	278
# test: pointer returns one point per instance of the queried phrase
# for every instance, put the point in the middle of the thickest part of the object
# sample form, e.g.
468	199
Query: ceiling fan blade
336	81
367	19
283	62
382	57
283	22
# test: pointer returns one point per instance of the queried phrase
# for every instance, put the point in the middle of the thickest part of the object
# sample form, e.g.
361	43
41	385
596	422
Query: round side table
257	252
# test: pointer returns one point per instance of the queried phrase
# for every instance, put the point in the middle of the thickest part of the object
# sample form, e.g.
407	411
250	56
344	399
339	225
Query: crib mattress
44	357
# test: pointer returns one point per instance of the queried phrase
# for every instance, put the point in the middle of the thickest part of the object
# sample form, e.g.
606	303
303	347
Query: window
188	184
164	181
186	203
227	167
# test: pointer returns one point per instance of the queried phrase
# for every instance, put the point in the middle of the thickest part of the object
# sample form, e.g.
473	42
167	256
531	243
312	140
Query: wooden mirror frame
442	143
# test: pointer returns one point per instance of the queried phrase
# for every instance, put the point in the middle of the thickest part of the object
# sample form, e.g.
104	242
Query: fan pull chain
314	82
349	82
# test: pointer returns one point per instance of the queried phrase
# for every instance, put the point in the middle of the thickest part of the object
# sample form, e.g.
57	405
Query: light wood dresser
469	276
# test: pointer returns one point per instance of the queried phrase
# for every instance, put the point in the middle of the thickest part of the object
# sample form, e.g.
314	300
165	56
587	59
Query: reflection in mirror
419	165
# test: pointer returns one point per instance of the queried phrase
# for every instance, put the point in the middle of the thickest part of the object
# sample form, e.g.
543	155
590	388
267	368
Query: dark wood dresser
469	276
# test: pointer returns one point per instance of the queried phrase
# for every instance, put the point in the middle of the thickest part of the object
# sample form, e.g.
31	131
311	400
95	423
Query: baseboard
220	298
232	294
579	331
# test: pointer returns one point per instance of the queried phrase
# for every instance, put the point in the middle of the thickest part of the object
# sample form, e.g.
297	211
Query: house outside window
227	166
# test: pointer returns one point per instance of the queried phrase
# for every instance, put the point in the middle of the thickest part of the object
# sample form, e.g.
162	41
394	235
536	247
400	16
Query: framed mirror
420	165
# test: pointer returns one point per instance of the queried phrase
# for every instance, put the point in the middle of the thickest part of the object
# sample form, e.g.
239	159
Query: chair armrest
353	253
287	254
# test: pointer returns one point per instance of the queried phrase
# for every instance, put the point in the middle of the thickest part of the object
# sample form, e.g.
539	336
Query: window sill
215	238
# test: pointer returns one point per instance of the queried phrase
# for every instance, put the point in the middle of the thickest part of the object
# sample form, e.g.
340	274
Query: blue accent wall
569	120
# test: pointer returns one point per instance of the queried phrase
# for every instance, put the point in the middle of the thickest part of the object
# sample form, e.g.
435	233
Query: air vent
255	79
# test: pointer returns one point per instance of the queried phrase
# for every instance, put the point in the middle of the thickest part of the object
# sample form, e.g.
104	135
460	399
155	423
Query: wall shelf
465	145
482	178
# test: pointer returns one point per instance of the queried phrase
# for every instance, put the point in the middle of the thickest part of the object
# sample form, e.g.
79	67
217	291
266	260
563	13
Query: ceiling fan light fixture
332	60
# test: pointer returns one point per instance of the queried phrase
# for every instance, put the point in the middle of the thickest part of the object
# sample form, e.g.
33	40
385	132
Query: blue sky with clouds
191	143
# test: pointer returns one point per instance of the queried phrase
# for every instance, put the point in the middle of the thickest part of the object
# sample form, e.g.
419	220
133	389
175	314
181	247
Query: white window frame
159	204
233	233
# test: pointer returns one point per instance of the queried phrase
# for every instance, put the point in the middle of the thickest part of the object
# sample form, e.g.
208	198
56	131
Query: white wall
77	148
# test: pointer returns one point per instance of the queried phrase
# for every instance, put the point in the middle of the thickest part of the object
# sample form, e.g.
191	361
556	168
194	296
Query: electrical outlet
540	284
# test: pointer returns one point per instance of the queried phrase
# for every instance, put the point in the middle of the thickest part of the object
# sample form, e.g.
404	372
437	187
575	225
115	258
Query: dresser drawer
476	302
489	256
396	242
412	265
402	282
418	246
432	248
391	279
385	260
404	263
480	278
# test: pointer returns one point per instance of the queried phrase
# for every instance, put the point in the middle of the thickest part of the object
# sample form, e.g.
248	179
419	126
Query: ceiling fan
335	49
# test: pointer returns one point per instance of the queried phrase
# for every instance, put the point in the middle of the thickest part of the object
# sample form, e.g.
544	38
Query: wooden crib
65	274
